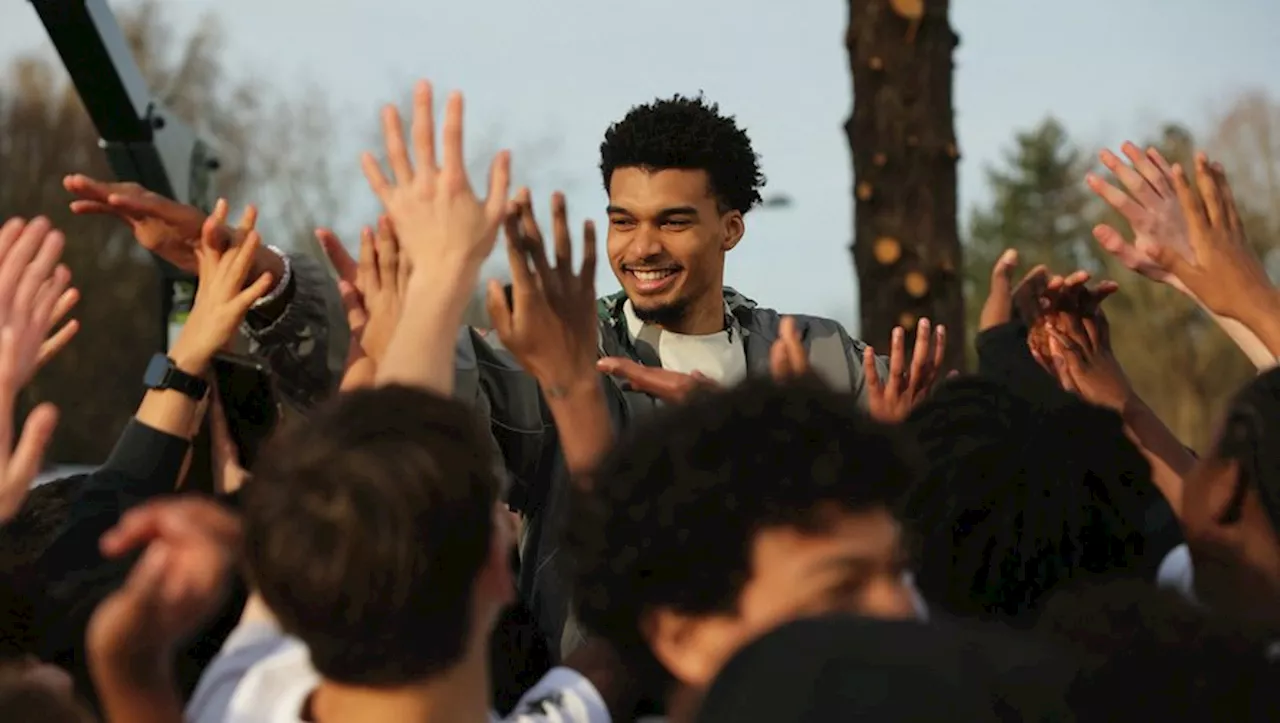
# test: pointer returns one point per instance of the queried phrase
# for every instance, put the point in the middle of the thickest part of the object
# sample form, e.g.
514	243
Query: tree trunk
906	247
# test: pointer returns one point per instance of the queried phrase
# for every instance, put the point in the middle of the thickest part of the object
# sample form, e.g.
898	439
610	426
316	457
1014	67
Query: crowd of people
667	504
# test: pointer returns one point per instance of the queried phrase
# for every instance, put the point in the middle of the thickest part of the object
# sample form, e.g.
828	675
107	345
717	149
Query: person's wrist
571	388
190	357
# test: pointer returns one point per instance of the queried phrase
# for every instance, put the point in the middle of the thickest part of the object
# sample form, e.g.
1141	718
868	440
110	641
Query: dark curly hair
677	503
681	132
1019	499
1249	437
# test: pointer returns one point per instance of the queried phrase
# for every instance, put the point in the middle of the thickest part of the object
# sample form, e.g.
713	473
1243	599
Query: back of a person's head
1142	653
31	699
37	522
674	508
1018	499
1251	437
366	528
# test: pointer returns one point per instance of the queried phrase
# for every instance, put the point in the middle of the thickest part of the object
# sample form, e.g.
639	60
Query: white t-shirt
1177	573
263	676
721	356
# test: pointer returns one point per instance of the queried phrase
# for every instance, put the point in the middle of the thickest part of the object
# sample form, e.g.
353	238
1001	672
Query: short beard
665	315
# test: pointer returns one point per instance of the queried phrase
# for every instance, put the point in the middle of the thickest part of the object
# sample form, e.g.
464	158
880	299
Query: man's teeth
653	275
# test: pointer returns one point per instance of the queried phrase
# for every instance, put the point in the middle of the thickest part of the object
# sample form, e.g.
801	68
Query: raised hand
788	358
1082	361
31	284
443	227
163	226
191	544
1054	295
20	463
1151	207
550	326
222	299
891	400
1222	271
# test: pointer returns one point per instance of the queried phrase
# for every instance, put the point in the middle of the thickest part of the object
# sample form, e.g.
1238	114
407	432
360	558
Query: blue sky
1109	69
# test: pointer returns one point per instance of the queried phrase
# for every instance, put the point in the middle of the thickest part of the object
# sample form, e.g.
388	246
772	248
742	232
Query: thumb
1171	261
338	255
1002	273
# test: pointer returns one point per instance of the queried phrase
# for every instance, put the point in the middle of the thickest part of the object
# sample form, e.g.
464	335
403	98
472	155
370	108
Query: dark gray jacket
298	347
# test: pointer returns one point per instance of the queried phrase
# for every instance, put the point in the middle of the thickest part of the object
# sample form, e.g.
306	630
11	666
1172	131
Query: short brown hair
366	527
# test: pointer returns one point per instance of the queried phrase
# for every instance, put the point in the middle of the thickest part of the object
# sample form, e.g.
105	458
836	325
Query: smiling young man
681	178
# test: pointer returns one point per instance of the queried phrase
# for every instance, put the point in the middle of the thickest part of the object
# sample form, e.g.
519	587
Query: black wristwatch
162	373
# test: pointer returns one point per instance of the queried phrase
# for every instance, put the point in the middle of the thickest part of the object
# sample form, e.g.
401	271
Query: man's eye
622	222
676	223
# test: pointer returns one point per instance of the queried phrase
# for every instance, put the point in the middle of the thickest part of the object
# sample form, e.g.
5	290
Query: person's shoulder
257	678
562	694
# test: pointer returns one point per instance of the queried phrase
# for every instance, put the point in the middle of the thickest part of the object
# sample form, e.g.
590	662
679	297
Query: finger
920	357
65	303
1002	273
1192	208
798	358
1150	172
86	187
54	345
897	359
237	267
337	254
373	175
1113	243
500	313
423	129
82	207
1228	199
1157	158
499	186
9	233
397	152
39	270
779	361
27	458
560	234
388	253
248	219
1208	186
531	239
939	347
587	276
1116	198
211	233
521	277
366	271
454	161
661	383
870	373
18	260
352	302
1132	180
1075	278
251	293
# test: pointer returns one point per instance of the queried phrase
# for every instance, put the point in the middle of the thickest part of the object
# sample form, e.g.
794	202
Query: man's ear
734	227
497	580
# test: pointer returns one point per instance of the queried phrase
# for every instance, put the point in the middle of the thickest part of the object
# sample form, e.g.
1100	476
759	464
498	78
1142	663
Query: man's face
855	565
667	239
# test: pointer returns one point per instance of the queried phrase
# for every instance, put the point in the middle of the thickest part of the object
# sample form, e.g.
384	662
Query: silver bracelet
278	290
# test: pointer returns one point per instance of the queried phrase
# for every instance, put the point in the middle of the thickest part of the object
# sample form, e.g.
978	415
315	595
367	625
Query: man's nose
646	243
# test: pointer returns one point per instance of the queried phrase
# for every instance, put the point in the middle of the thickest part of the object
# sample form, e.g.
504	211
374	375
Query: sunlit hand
166	228
31	284
1068	294
191	545
788	358
551	324
1151	207
1080	347
891	400
1223	272
222	299
443	227
20	463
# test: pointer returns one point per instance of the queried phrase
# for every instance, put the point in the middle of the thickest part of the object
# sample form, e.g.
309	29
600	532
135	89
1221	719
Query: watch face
157	372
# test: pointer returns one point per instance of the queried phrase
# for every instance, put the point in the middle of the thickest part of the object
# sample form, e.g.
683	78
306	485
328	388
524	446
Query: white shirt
1177	573
262	675
721	356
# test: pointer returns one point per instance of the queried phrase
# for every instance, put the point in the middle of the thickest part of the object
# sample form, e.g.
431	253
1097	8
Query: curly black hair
1249	436
682	132
1019	499
677	503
